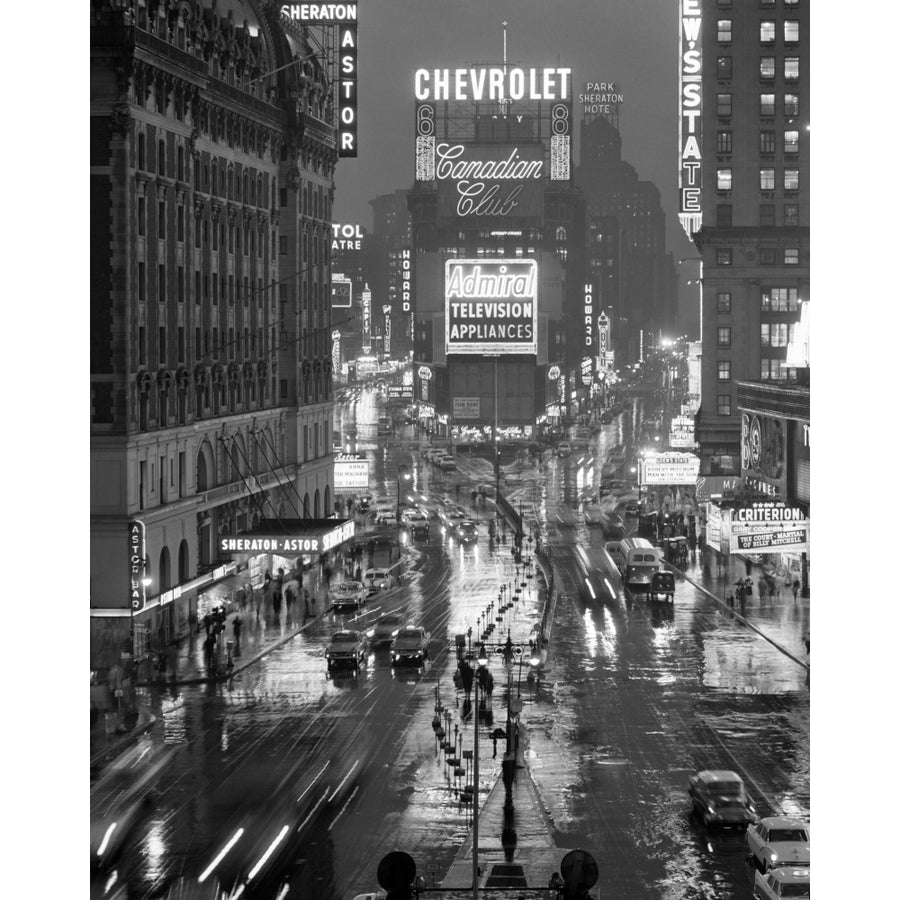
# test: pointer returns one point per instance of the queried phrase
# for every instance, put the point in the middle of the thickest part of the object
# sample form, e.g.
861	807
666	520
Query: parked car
563	448
778	841
777	883
720	798
348	649
410	646
347	595
378	580
466	531
385	629
447	463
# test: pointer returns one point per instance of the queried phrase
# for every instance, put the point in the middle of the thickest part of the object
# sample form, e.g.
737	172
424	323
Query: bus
638	561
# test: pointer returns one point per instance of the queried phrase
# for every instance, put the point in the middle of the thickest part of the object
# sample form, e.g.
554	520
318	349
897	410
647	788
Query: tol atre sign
491	306
304	538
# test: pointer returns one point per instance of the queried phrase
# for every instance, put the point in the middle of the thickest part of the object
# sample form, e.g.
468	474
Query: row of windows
767	67
767	31
771	334
725	107
237	346
790	217
761	2
767	141
769	370
790	256
774	299
791	179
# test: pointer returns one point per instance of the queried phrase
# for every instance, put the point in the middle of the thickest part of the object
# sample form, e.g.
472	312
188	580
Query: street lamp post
402	475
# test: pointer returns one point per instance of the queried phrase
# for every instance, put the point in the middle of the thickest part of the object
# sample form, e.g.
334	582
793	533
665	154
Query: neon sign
493	83
689	123
367	320
588	316
405	279
137	564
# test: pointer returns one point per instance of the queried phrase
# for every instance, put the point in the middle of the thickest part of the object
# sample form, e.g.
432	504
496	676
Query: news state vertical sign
690	98
343	16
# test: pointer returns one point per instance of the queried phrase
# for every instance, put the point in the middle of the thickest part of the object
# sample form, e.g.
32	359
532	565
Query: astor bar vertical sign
689	122
137	564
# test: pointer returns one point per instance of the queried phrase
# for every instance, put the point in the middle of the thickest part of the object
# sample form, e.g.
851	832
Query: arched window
316	510
306	510
165	571
560	233
184	560
327	505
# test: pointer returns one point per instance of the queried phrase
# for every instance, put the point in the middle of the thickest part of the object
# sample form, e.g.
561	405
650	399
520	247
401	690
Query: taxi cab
777	883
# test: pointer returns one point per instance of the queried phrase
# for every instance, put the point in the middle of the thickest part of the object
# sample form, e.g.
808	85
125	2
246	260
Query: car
447	463
563	448
488	488
607	416
776	841
417	526
466	531
582	434
365	501
451	517
378	580
348	649
719	798
777	883
410	645
347	595
385	629
631	510
385	515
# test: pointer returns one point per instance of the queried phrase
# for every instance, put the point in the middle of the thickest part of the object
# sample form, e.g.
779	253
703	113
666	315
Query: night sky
631	42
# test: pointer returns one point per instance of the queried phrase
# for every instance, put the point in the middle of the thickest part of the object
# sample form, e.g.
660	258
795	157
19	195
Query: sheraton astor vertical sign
491	305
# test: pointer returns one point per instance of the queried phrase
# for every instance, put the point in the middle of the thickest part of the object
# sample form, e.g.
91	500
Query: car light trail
609	587
312	784
343	808
269	851
102	848
587	581
221	855
336	791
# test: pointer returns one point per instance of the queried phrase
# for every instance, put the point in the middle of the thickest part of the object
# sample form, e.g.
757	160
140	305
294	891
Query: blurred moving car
450	517
385	629
719	798
348	649
347	595
466	531
777	883
778	841
378	580
410	646
447	463
563	448
417	526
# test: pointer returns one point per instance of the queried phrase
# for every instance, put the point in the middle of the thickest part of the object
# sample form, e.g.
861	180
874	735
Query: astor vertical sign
689	122
137	565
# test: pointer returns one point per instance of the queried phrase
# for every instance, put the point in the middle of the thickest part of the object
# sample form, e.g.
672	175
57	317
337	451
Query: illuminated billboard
669	468
494	84
689	122
768	527
351	471
341	292
491	306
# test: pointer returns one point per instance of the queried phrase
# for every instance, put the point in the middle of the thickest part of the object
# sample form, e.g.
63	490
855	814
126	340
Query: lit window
723	302
723	104
767	142
767	32
791	31
774	334
723	179
791	68
724	336
791	256
724	370
723	404
771	369
723	142
767	104
767	67
779	299
767	179
723	31
792	142
723	256
723	67
791	105
792	179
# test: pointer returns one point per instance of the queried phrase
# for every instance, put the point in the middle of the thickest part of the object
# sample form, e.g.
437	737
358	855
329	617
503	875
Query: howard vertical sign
689	123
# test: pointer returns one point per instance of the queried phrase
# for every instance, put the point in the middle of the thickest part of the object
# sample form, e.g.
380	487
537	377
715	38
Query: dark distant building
626	244
745	180
211	398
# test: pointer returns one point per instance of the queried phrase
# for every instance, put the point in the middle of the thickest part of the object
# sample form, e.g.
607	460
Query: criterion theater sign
491	306
769	527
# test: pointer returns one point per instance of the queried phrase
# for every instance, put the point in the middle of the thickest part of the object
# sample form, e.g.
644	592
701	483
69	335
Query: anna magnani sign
491	306
489	179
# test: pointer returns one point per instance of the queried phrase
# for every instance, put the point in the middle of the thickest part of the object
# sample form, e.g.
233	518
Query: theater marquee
491	306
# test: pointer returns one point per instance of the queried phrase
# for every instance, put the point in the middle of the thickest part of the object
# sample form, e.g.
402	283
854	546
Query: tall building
745	181
212	161
626	242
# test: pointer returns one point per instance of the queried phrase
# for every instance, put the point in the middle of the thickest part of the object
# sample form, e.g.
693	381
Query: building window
161	218
142	282
792	256
723	404
723	67
282	245
792	179
766	2
767	214
767	104
767	142
791	214
723	337
723	31
723	104
767	32
791	105
791	68
792	142
767	67
142	215
723	179
142	151
771	369
774	334
723	215
180	284
179	223
724	371
723	302
723	256
723	142
161	284
161	158
791	31
767	179
767	256
779	300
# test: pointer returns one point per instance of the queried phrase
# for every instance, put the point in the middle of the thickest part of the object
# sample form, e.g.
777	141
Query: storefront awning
288	537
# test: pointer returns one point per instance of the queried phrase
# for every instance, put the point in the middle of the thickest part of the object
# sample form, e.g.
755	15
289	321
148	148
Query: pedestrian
237	625
763	590
730	598
172	658
207	623
276	603
327	573
795	588
209	651
288	599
